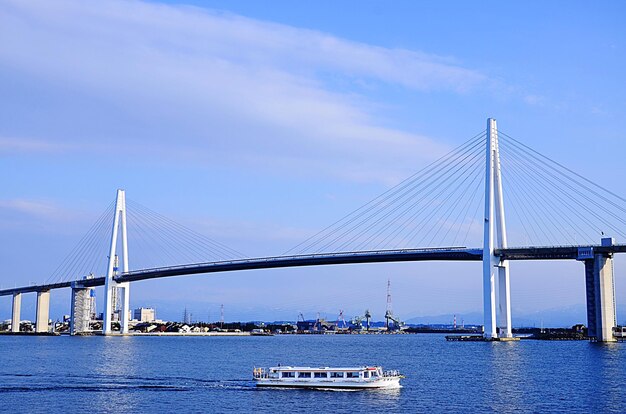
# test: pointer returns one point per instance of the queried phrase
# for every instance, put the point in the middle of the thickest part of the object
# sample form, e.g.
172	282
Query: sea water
214	374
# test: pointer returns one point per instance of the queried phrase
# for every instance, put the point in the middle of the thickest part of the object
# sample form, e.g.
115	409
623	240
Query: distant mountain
472	318
554	318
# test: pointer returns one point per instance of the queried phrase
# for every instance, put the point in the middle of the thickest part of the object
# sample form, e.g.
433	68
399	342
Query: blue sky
259	123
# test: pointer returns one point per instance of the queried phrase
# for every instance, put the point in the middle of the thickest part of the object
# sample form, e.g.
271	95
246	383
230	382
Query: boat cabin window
320	375
366	374
288	374
354	374
336	374
374	374
304	375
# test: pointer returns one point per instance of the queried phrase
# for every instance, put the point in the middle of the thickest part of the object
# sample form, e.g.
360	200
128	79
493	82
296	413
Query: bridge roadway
378	256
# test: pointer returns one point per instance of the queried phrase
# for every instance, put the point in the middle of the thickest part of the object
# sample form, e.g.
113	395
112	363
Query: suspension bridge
555	214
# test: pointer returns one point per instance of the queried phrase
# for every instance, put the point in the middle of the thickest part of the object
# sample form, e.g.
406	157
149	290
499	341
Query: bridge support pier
504	301
43	311
601	315
80	315
16	313
124	290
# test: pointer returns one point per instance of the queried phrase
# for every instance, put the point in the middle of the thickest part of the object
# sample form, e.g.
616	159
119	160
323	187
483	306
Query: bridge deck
460	254
382	256
555	253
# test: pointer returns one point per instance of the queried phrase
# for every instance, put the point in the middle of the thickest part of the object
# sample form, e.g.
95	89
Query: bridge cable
532	186
426	208
481	202
364	218
580	193
520	181
557	183
470	204
411	217
67	270
436	225
453	176
392	201
539	155
162	237
91	253
576	203
146	229
62	271
313	240
540	182
457	202
153	244
214	246
441	181
385	214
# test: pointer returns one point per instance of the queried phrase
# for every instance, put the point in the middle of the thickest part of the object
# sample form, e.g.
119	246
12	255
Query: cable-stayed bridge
458	200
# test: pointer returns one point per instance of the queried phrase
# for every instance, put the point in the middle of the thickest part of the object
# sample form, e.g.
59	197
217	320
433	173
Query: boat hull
383	383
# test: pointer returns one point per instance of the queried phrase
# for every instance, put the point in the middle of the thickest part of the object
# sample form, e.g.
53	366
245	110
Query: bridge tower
496	284
110	284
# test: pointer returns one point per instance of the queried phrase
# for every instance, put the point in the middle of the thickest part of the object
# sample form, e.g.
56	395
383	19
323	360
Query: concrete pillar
15	315
43	311
599	286
72	310
504	301
605	299
590	290
124	288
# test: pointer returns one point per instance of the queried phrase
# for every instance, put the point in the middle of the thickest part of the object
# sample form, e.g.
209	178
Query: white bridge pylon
123	289
496	283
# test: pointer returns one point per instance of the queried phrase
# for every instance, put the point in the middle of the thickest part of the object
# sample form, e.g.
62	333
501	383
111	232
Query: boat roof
289	368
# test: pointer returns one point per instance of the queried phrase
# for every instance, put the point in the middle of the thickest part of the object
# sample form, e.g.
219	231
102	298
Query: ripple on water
213	374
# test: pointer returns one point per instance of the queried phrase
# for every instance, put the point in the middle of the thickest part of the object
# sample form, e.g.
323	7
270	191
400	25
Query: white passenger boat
327	377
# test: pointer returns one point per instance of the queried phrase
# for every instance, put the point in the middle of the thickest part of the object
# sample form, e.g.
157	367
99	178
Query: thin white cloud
31	207
45	216
11	144
185	82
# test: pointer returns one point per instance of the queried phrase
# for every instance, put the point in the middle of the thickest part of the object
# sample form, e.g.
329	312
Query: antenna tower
388	312
222	316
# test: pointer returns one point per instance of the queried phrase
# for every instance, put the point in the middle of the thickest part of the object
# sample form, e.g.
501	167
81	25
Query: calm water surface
212	374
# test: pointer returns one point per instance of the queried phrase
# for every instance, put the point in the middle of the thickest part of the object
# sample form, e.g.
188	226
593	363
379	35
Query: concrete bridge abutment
16	312
600	292
42	317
